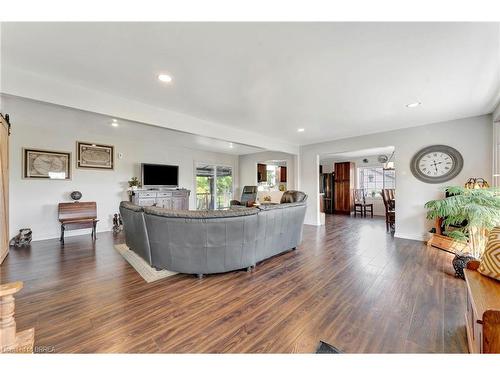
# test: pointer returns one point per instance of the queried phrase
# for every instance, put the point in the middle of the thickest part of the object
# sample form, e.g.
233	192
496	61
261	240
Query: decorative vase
460	262
76	195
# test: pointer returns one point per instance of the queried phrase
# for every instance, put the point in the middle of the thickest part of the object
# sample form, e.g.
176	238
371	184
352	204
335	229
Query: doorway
214	186
351	183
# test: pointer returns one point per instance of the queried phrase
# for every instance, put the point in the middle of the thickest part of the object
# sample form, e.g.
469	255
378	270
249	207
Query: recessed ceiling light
300	130
115	124
231	145
165	78
413	105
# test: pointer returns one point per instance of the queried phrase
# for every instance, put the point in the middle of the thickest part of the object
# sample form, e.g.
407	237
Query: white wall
496	148
471	136
33	203
248	167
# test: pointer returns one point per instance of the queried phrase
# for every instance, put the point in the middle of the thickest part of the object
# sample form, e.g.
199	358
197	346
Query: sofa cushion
490	260
267	207
212	214
131	206
292	196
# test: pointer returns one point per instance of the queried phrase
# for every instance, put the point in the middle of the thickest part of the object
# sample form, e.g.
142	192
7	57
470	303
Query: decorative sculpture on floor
22	239
117	224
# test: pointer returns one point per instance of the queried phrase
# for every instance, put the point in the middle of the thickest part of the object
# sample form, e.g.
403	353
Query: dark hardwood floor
349	284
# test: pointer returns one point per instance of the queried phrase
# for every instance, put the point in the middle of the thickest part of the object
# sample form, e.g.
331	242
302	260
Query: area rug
324	348
148	273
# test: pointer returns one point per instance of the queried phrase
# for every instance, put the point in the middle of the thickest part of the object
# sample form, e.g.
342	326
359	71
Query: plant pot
460	262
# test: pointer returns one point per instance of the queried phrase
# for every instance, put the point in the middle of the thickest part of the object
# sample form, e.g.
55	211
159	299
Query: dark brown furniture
261	172
248	197
326	189
344	182
282	174
388	195
78	215
482	318
360	205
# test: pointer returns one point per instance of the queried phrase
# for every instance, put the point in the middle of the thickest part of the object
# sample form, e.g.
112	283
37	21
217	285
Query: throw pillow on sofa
490	261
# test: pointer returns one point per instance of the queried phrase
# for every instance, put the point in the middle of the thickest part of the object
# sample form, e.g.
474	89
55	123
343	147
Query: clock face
436	164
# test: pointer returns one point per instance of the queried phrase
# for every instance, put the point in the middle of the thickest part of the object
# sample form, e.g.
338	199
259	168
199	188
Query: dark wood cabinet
344	184
261	172
282	171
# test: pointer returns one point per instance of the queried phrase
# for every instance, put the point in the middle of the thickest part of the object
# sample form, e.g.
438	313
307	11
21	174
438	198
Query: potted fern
468	215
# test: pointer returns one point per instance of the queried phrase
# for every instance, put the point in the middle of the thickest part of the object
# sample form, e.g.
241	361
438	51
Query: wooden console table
483	311
78	215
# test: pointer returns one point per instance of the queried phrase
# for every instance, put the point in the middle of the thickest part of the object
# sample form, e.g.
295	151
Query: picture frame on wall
46	164
95	156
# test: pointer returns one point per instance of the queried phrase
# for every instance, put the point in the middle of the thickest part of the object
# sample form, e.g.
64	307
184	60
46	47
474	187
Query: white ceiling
350	155
334	79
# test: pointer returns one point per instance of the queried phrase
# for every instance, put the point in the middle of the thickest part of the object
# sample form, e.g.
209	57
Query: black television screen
160	175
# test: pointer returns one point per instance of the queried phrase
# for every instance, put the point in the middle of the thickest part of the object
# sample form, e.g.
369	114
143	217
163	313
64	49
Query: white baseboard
412	236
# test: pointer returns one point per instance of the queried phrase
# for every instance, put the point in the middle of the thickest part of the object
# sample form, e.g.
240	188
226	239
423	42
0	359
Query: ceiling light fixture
413	105
231	145
165	78
114	124
301	130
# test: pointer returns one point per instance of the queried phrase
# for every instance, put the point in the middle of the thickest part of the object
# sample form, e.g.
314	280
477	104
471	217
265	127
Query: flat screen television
159	175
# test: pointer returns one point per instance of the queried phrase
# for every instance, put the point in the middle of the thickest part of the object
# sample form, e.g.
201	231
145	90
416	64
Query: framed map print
44	164
93	156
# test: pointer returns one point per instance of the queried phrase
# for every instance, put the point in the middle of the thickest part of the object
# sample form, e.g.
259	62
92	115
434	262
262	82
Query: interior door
4	189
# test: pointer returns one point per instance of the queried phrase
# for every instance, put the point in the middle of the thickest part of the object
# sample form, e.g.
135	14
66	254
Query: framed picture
94	156
44	164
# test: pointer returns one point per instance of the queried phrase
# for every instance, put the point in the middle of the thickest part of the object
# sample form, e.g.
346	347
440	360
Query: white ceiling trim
29	85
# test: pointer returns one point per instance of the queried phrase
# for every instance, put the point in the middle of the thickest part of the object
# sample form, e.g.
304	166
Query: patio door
214	186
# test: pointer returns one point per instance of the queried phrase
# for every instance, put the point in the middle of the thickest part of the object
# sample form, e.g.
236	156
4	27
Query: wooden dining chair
388	195
360	205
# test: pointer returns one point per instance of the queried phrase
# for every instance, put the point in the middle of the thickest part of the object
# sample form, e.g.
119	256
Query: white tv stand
173	199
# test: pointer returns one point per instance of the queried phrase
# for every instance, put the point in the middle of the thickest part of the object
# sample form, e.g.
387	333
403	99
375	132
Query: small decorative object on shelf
117	224
22	239
476	183
134	183
76	195
460	262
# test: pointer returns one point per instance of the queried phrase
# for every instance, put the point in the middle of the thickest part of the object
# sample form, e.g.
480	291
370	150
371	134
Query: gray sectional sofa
203	242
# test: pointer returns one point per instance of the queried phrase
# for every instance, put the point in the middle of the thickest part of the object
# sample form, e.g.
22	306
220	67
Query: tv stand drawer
162	194
146	194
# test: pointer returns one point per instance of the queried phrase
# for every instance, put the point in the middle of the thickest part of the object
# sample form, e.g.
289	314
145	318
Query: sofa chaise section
203	242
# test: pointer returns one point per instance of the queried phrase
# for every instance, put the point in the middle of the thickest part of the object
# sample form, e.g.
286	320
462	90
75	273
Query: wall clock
436	164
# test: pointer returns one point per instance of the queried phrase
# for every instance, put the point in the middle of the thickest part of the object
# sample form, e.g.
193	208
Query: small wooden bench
78	215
